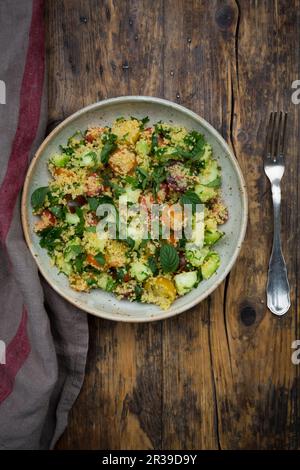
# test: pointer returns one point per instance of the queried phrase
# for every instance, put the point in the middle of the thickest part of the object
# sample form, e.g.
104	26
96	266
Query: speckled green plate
101	303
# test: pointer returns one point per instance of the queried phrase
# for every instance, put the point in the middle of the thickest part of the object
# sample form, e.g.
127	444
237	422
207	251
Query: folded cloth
43	339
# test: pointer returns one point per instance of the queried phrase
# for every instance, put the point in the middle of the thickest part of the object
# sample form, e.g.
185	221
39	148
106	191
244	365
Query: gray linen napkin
43	339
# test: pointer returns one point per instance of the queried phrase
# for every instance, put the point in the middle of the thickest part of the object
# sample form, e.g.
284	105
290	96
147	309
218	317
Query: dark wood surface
219	376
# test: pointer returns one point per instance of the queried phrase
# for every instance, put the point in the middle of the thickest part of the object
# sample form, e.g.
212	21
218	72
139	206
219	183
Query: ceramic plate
101	303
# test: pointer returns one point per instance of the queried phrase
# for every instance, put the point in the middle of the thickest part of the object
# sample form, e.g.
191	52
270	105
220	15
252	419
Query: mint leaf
38	197
169	258
59	211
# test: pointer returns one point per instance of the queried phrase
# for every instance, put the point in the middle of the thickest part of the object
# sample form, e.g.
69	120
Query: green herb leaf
138	290
144	122
130	242
38	197
118	190
53	199
100	259
67	150
132	181
94	202
91	229
80	226
154	143
153	265
78	263
91	282
59	211
195	143
143	177
189	197
120	273
169	258
158	176
49	237
162	131
110	145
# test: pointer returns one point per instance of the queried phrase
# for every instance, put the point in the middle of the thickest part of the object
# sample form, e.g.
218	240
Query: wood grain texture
219	376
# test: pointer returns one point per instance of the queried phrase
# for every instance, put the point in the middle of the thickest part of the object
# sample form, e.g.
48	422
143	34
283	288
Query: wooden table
219	376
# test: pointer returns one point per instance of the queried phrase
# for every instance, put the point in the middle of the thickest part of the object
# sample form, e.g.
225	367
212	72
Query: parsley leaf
49	237
195	143
110	145
154	143
158	176
144	121
94	202
80	226
189	197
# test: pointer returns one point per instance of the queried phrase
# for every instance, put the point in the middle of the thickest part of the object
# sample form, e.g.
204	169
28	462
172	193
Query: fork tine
282	136
273	141
269	137
277	136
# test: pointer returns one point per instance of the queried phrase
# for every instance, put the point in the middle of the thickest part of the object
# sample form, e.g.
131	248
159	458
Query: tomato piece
47	215
91	260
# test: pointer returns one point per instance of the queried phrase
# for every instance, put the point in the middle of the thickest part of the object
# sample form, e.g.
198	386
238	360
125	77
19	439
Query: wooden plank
193	78
221	375
97	50
258	403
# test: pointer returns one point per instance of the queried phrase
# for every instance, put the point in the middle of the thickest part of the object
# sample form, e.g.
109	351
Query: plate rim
123	99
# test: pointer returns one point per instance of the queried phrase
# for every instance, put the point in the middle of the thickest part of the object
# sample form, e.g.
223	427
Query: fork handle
278	289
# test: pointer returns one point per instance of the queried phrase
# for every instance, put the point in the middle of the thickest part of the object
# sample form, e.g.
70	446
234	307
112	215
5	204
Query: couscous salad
126	165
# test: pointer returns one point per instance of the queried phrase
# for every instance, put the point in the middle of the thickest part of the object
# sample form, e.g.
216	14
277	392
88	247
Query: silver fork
278	289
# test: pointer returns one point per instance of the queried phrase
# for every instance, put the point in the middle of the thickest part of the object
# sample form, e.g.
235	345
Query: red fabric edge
29	115
16	354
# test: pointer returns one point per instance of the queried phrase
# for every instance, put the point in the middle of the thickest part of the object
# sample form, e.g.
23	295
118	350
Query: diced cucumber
207	153
105	282
204	192
210	173
210	265
194	255
72	219
88	159
184	282
60	160
142	147
212	236
140	271
63	265
131	195
72	251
